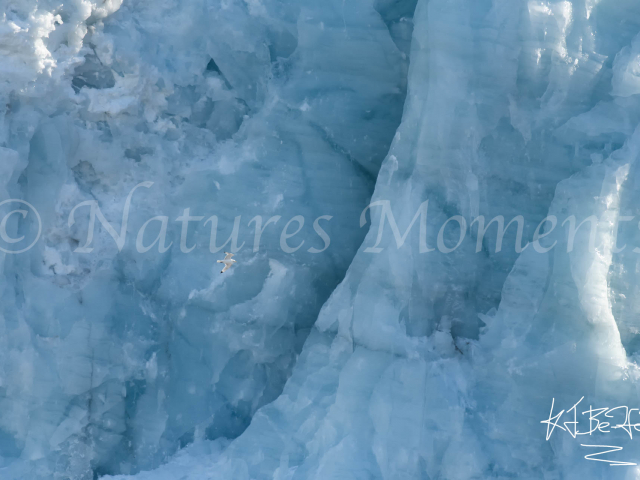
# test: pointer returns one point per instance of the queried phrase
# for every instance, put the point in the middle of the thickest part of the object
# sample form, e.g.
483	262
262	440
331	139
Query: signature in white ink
600	420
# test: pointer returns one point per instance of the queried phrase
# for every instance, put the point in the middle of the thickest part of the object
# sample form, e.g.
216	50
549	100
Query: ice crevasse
391	364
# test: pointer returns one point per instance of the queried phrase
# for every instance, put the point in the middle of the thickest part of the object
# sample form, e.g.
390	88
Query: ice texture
112	360
443	365
349	364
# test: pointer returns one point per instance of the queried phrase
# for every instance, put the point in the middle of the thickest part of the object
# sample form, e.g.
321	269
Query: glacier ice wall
419	365
111	359
434	365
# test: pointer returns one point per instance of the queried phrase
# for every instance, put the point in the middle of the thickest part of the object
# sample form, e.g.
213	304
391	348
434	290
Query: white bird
228	262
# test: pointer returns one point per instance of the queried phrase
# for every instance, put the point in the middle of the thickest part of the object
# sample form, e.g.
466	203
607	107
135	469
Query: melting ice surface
344	364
